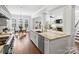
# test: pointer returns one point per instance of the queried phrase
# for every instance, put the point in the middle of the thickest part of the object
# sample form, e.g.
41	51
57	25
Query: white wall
76	20
69	22
63	12
57	13
68	15
9	24
3	23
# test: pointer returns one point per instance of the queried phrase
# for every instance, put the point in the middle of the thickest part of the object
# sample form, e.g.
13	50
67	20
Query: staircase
75	48
77	32
77	37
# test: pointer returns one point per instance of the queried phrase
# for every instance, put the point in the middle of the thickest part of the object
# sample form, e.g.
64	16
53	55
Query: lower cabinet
34	38
55	46
37	40
41	43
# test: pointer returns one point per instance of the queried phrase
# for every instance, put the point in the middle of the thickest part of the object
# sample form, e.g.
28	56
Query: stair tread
77	36
77	41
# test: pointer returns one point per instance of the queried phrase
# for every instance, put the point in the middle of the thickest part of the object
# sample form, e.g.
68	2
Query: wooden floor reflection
25	46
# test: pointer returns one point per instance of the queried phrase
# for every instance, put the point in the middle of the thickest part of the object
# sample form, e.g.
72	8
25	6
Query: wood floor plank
25	46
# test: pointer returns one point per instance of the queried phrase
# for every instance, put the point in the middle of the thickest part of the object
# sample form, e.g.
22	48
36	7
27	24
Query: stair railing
77	24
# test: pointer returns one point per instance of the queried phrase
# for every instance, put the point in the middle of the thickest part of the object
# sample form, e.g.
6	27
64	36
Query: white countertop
51	35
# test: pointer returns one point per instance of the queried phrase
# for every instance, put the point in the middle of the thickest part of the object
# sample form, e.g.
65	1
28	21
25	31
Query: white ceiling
23	9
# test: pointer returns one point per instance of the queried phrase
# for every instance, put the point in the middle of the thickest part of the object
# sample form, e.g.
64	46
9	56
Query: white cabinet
41	43
57	46
34	38
53	46
37	40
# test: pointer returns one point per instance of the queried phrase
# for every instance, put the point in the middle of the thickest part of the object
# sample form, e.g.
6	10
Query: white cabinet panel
34	38
58	46
46	46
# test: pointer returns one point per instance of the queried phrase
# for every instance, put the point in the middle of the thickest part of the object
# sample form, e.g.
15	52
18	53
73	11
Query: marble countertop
51	35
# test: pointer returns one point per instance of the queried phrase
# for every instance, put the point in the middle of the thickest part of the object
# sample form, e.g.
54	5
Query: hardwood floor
25	46
77	46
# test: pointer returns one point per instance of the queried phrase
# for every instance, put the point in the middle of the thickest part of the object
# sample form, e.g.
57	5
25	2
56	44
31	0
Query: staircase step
77	31
77	41
1	43
77	35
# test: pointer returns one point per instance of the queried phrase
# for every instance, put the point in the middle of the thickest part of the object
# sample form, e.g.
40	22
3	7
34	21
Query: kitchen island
51	42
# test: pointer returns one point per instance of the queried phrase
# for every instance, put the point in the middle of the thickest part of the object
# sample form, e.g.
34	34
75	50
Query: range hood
3	16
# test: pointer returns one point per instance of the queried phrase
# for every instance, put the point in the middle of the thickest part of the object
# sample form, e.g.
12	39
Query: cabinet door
41	43
46	46
58	46
34	38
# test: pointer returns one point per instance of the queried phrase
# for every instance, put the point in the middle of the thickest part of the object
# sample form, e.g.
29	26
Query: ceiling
23	9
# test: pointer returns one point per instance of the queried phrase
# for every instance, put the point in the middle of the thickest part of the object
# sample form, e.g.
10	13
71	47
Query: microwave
58	21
